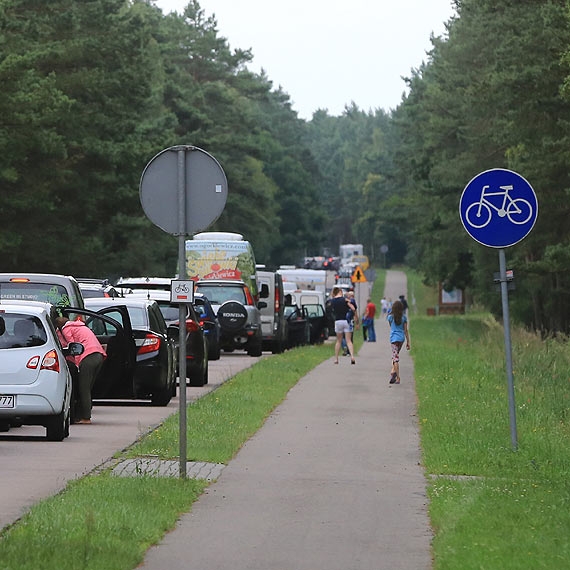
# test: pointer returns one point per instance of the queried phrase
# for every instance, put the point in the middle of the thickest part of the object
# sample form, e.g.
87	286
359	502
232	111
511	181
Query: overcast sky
327	53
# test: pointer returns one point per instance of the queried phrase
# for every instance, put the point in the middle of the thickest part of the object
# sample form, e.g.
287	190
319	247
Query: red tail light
151	343
277	299
50	361
192	326
33	362
248	296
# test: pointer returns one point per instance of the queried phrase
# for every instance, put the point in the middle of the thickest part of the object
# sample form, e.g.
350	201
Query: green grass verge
222	421
513	513
102	522
99	522
378	287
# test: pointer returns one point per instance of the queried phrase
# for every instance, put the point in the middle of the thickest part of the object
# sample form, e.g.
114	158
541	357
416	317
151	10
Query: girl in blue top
398	333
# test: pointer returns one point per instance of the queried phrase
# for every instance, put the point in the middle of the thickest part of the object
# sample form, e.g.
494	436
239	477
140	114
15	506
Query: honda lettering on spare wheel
232	315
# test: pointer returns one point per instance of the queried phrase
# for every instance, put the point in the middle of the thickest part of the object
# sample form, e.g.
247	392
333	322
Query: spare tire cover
232	316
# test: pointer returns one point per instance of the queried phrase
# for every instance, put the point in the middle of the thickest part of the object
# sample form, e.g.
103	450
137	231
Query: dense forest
93	89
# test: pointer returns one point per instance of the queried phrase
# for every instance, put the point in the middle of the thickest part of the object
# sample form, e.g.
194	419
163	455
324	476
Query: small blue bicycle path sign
498	208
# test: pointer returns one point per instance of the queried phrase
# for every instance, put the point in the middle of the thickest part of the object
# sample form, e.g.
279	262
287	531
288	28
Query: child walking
398	333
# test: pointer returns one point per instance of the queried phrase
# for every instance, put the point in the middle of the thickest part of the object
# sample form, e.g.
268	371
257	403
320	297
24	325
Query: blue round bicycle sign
498	208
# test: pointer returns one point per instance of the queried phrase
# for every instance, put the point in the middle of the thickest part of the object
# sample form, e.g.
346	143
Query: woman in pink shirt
89	362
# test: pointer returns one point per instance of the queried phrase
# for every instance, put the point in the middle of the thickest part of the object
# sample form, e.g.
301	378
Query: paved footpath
332	481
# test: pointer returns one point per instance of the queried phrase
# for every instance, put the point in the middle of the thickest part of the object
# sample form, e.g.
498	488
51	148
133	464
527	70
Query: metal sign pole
175	179
508	351
182	308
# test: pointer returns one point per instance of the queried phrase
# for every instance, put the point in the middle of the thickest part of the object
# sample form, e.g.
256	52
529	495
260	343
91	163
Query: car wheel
255	348
57	426
4	426
162	397
214	353
277	346
199	379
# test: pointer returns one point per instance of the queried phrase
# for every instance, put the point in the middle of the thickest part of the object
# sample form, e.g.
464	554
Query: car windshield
201	307
289	310
218	294
28	291
21	331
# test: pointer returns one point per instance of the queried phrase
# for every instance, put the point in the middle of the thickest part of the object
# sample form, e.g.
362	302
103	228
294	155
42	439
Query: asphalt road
32	468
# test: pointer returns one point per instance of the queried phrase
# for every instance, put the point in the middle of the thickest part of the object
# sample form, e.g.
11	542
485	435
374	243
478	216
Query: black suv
237	312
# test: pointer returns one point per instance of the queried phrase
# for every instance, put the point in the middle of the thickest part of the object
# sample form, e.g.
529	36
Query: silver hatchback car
35	382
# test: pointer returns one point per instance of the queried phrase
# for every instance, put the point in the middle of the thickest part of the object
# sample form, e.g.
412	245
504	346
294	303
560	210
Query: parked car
59	290
154	283
141	363
273	321
239	316
210	324
196	339
318	321
298	326
35	383
96	288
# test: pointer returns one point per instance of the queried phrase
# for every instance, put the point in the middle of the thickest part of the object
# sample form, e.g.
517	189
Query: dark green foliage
490	96
494	93
92	90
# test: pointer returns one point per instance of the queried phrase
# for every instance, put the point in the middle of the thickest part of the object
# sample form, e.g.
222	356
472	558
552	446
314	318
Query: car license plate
6	401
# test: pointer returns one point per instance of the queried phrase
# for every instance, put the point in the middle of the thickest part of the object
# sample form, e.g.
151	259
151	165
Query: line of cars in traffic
138	327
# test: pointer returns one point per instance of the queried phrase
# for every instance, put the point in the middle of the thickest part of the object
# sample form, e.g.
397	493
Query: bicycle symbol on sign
517	210
181	288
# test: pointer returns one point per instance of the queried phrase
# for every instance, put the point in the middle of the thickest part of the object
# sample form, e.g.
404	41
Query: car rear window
138	316
218	294
21	331
28	291
93	293
169	312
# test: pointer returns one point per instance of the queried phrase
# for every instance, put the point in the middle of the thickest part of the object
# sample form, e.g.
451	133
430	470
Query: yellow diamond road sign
358	275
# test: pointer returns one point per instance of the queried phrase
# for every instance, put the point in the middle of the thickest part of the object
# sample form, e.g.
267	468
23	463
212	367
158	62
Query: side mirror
74	349
261	305
264	293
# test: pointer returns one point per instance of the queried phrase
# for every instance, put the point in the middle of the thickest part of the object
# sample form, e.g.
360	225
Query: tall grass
493	508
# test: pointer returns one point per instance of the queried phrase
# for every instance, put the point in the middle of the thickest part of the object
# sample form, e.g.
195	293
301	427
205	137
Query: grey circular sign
383	249
205	189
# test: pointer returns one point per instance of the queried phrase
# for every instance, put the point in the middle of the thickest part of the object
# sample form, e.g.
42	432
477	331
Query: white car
35	382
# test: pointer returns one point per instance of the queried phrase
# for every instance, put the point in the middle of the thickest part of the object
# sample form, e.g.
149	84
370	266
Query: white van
309	279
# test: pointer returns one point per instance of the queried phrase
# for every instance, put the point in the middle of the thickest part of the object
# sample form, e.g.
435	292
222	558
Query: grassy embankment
492	508
106	522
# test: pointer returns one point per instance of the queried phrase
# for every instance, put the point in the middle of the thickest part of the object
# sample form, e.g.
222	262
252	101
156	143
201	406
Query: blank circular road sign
205	183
